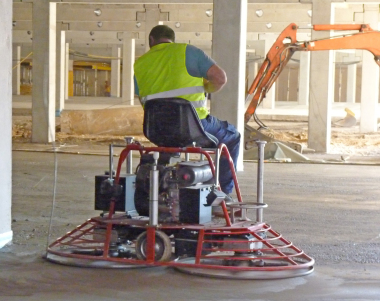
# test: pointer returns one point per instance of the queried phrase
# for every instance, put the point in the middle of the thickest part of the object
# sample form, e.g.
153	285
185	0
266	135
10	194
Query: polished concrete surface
331	211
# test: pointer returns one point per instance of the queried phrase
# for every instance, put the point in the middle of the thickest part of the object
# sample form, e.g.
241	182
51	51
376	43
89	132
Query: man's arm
216	79
199	64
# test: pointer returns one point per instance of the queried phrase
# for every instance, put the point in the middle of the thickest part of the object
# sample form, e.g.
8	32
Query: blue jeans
227	134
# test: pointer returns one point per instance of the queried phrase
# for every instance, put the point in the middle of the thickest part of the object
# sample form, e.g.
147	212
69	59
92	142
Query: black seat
173	122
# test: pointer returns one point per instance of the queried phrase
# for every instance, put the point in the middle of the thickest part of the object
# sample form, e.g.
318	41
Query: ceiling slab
191	20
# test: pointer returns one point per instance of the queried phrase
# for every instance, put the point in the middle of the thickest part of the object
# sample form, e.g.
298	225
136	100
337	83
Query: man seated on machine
174	68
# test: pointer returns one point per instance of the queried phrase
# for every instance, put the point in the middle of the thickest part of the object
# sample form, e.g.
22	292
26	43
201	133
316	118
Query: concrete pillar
115	71
96	82
128	61
70	79
351	83
60	81
250	72
67	69
370	78
304	78
252	69
229	51
255	70
6	233
321	83
43	94
16	70
152	18
270	98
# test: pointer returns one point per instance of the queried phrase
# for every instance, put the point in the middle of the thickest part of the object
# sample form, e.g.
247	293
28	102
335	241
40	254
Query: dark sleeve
197	62
137	92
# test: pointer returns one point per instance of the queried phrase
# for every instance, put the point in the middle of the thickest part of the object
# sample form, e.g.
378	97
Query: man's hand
217	78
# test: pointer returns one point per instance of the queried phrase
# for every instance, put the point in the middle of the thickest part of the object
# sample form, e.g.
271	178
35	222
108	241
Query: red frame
85	237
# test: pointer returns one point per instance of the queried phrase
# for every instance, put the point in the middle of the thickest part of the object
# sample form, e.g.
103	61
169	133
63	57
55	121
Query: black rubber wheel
163	246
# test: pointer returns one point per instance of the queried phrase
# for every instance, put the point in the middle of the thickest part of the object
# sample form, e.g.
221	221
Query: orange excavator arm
280	53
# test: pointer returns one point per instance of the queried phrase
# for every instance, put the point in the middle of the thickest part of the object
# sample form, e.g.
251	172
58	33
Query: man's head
161	34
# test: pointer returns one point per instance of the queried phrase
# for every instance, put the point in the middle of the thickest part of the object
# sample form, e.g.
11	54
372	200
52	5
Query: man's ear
151	41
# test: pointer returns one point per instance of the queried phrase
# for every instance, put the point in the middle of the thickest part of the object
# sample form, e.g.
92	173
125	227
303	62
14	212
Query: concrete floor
331	211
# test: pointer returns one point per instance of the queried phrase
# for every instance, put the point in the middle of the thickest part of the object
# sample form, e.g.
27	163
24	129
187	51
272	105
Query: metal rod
260	178
187	155
110	161
216	162
153	192
129	140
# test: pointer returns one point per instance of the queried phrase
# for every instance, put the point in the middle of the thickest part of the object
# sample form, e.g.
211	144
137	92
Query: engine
183	187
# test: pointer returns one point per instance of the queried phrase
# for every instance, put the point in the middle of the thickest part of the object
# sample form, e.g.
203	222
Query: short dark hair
162	31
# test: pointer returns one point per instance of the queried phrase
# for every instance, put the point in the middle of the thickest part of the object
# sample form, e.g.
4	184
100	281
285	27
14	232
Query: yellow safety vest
162	73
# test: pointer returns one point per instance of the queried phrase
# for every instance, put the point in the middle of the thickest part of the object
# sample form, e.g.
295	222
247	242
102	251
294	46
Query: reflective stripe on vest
179	92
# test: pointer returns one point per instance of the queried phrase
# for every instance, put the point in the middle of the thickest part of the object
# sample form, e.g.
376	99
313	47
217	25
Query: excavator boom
280	53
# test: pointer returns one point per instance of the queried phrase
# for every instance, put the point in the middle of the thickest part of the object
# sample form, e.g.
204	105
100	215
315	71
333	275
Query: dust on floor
344	140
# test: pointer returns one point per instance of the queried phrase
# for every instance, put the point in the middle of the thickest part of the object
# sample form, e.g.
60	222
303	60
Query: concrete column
152	18
60	81
43	95
252	69
351	83
70	79
304	78
255	70
96	82
115	71
229	51
16	70
128	96
270	98
250	72
321	83
6	233
67	69
370	78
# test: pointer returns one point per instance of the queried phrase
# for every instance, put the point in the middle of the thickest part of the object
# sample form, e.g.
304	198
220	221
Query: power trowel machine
161	214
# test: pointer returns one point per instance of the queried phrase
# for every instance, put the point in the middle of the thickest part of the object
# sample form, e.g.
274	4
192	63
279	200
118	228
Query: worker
168	66
107	89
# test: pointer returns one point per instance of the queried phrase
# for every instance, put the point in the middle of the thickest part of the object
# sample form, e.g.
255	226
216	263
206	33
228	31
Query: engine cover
181	195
